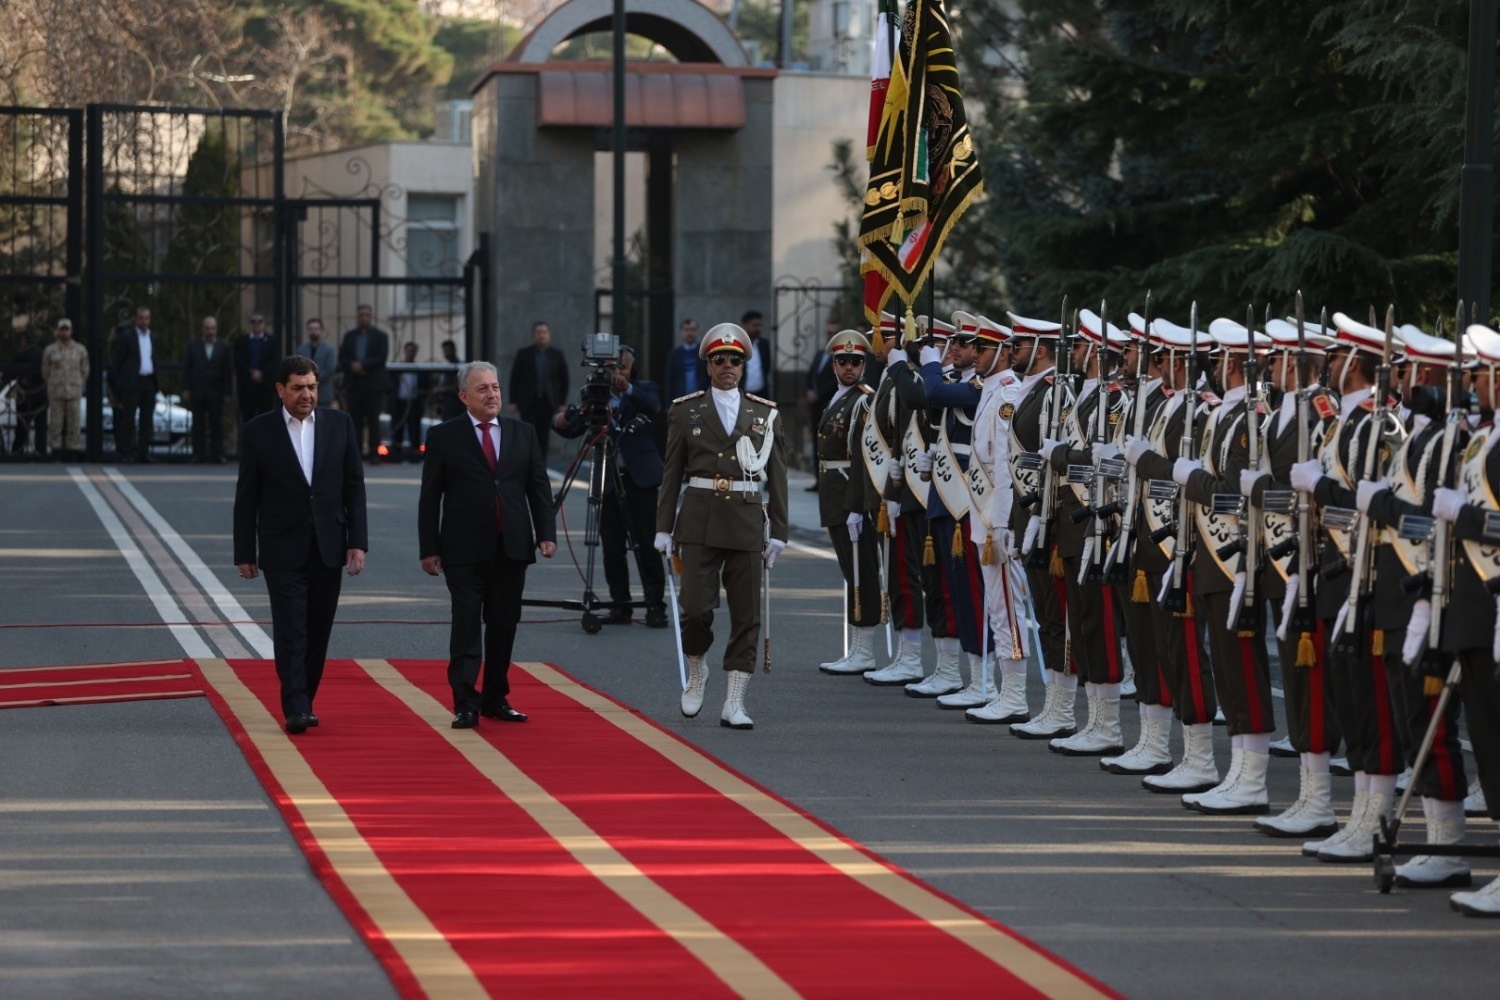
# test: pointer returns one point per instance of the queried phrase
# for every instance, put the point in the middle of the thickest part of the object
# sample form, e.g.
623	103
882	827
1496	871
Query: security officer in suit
726	448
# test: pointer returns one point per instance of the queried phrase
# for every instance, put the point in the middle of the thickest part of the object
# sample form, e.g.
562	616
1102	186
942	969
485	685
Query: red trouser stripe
1161	685
1317	719
1195	669
1442	759
1253	706
950	618
976	591
900	568
1062	602
1111	638
1386	757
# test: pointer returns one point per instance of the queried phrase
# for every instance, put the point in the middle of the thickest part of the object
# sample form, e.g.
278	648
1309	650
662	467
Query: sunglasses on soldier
726	359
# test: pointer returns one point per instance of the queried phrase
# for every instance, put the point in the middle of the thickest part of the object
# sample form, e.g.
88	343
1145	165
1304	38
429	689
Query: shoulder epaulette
1368	404
866	389
1049	379
1322	404
691	395
763	402
977	382
1167	391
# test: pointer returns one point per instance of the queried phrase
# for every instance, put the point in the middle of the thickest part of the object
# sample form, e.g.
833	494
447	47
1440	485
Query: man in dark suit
132	382
629	492
484	510
362	356
256	358
207	378
539	383
760	366
299	514
822	383
685	371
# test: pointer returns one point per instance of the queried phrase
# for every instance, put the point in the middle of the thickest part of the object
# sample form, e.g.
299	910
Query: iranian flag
880	74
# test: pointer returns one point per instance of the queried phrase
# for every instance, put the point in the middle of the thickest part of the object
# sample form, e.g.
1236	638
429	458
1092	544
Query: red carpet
589	850
92	684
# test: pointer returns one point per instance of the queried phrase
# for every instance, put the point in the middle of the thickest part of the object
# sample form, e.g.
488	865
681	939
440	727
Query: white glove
1005	541
854	522
1447	503
1365	492
1183	468
773	549
1305	475
1106	451
1416	631
1289	602
1047	448
893	514
896	357
1033	528
923	462
930	355
978	533
1248	479
664	543
1135	447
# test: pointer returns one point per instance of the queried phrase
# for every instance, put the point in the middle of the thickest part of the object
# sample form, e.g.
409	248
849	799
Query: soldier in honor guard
1310	722
1356	676
1095	621
1474	634
843	499
904	522
1164	549
726	447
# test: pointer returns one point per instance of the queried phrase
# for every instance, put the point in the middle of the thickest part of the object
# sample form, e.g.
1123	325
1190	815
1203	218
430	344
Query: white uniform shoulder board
691	395
763	402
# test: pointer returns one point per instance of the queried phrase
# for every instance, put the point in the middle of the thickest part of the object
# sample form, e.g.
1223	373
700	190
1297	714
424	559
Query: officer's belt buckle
721	484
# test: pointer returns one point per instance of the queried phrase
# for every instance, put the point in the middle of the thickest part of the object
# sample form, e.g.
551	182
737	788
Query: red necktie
494	460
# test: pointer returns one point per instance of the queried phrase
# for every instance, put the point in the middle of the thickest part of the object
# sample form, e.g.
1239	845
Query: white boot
1311	815
1474	804
1151	753
861	653
692	695
1248	795
1102	734
947	678
1232	778
1009	706
1197	771
980	689
733	715
1445	825
1359	844
1483	903
1357	808
1056	718
905	668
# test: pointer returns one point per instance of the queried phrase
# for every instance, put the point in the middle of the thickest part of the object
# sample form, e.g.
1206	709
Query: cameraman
633	404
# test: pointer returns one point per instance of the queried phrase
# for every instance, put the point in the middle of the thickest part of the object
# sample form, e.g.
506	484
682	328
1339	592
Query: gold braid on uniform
957	548
987	556
1140	593
929	553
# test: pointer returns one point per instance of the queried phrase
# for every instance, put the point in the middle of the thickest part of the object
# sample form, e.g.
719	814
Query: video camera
602	351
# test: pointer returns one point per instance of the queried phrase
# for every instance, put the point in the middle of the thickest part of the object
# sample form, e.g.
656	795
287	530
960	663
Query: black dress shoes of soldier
465	720
504	713
298	722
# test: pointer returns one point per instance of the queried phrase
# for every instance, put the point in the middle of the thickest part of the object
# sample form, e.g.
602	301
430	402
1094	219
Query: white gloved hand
1416	632
1248	479
773	549
1047	448
855	523
923	462
664	543
1305	475
1183	468
893	515
1106	451
1135	447
1033	529
1365	492
1447	503
1005	541
930	356
896	357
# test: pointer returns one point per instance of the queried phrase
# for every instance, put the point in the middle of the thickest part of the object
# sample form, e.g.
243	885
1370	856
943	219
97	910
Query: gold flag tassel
1377	642
1432	686
883	521
987	556
1140	593
929	553
957	549
1307	653
1055	565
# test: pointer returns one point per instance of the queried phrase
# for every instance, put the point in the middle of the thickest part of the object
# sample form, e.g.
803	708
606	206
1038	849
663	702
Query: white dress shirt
755	372
301	433
727	402
494	434
143	338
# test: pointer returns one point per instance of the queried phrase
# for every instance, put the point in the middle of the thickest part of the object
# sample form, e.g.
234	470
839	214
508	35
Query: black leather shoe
312	721
465	720
656	618
504	713
298	723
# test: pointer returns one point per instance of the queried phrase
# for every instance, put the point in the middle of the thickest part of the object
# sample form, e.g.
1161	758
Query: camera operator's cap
1045	329
990	332
1361	337
1283	334
965	325
1481	347
1425	349
1168	336
724	337
849	342
1094	332
1230	337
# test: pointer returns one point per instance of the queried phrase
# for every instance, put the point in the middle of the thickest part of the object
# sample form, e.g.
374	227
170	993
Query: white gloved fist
1447	503
1135	447
855	523
1005	541
773	549
1183	468
664	543
1305	475
923	462
1106	451
1365	492
893	515
896	357
1033	529
1047	448
1248	479
930	356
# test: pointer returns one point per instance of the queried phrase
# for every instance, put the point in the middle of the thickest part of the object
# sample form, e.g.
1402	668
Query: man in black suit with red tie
301	502
484	510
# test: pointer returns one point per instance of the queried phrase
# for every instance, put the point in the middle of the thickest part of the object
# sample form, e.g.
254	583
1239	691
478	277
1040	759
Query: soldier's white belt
724	484
833	466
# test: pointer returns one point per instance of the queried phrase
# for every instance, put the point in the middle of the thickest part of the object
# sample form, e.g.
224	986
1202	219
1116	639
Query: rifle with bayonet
1117	566
1248	620
1041	554
1177	597
1093	572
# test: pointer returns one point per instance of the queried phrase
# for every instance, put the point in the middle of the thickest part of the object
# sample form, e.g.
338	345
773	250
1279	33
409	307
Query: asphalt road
139	856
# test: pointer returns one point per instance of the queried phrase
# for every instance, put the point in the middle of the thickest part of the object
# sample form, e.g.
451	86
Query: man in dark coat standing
299	515
362	356
207	379
256	357
539	383
484	510
132	383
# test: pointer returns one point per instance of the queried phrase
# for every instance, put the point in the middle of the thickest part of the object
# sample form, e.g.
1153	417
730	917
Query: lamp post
1476	199
618	323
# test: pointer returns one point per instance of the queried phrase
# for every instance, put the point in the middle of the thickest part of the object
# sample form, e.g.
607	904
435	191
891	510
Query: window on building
432	249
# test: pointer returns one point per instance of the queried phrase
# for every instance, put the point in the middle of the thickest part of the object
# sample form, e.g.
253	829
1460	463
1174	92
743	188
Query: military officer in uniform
726	448
843	501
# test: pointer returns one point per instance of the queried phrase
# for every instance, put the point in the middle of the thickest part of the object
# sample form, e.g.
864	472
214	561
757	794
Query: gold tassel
1432	686
1140	593
987	556
929	554
1307	653
883	521
910	332
1055	566
677	564
957	549
1377	642
857	614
